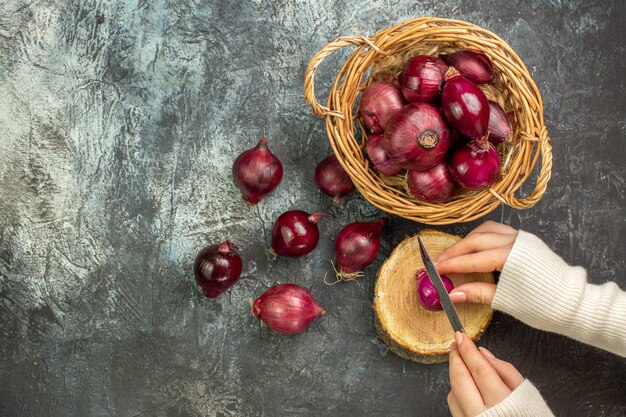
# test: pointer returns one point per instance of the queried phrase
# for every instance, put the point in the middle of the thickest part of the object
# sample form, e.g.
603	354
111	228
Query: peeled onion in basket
464	105
475	166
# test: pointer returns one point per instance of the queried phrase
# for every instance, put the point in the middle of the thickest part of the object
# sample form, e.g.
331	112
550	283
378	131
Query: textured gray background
119	121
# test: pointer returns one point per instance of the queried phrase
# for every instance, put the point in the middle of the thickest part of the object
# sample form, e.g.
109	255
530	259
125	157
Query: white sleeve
540	289
524	401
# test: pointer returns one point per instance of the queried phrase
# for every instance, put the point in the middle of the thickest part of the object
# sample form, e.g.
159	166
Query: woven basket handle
542	179
309	77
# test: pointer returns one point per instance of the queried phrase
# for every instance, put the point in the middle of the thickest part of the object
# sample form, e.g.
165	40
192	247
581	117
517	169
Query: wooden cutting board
408	329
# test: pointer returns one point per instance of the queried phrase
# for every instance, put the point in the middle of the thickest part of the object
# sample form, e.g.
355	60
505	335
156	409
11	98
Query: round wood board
408	329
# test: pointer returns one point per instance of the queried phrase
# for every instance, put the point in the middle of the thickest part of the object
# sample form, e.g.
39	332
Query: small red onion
257	172
427	294
217	268
473	65
356	247
332	179
379	157
379	102
464	105
295	233
499	125
421	78
417	137
287	308
434	185
475	166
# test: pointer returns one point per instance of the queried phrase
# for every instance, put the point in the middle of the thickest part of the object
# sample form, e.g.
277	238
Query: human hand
478	380
484	249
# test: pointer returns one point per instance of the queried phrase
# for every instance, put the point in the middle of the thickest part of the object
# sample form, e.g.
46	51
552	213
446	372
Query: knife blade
446	302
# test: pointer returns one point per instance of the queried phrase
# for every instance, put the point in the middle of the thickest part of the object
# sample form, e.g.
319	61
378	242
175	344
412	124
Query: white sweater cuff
533	283
524	401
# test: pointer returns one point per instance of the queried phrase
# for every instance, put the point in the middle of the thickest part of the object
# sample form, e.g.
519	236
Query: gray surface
118	125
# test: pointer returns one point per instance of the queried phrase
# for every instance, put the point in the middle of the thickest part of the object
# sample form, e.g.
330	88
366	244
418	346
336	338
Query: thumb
474	292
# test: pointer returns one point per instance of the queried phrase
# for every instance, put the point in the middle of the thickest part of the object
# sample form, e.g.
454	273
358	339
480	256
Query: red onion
464	105
475	166
356	247
287	308
499	125
379	102
379	157
332	179
257	172
434	185
417	137
421	78
217	268
295	233
473	65
427	293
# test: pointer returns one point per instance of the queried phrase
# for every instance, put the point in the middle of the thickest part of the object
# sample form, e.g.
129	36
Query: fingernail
486	352
453	346
458	338
458	296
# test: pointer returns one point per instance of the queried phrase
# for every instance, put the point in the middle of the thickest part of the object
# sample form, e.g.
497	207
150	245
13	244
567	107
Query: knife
446	302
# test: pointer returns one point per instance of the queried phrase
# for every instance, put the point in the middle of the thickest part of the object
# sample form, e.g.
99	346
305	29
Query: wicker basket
385	53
